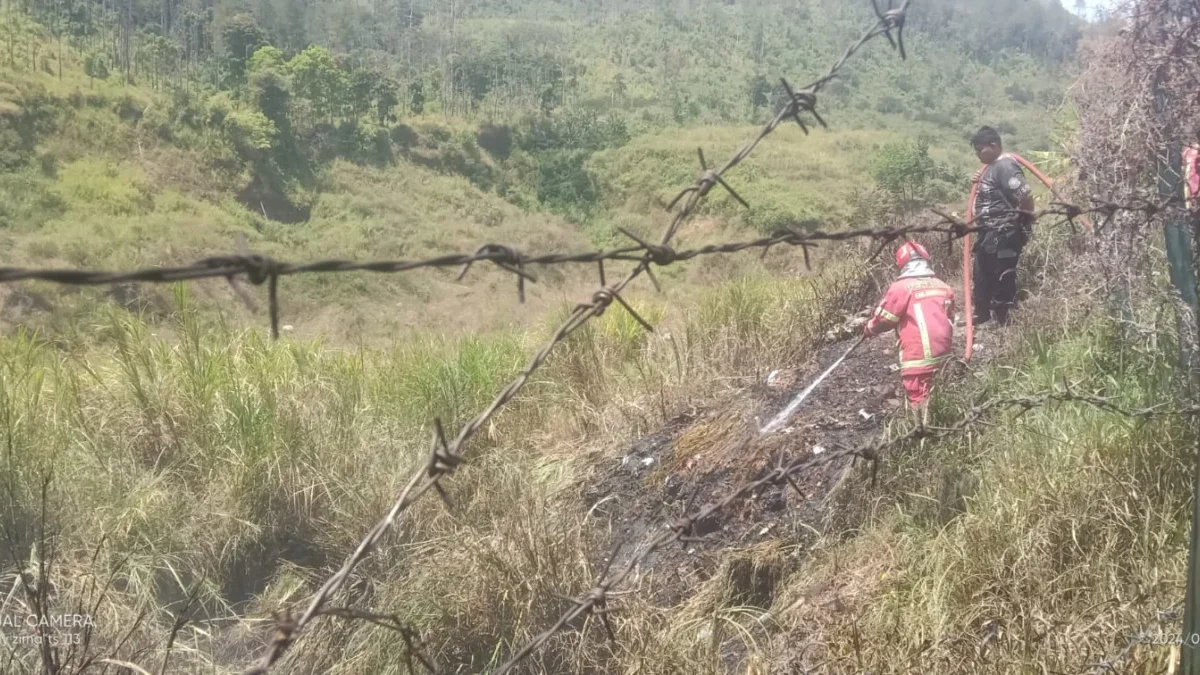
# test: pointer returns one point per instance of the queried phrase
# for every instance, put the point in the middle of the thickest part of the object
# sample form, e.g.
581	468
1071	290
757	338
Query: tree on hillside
618	89
159	56
268	56
242	37
386	92
318	81
270	87
416	97
908	172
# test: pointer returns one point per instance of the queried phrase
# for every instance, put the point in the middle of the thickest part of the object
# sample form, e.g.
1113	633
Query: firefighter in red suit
918	306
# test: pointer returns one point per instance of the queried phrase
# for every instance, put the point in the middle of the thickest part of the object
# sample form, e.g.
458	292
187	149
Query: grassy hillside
183	454
101	177
227	466
102	190
827	178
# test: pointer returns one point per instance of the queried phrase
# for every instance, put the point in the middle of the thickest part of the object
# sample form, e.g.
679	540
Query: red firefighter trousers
918	387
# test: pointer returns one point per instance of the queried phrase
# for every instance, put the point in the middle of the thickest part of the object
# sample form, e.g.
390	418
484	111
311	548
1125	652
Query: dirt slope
701	457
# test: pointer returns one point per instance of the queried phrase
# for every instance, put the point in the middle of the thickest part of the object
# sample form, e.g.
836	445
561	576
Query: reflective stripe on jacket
919	309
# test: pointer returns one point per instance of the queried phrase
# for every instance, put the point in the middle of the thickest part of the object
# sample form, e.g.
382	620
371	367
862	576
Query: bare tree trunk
126	40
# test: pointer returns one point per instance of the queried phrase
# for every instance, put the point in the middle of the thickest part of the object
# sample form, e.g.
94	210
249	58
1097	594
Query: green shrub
129	109
27	201
251	132
908	172
404	136
496	139
95	66
564	182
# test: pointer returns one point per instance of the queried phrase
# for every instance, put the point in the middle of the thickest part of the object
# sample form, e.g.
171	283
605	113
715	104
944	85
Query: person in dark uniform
1004	212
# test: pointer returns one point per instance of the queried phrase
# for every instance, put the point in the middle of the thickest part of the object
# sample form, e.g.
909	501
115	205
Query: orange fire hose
967	300
967	244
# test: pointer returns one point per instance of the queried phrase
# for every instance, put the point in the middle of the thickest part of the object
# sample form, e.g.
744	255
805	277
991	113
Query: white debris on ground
782	378
851	327
643	462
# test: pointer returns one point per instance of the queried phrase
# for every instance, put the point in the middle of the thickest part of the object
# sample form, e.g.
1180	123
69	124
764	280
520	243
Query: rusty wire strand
445	456
681	529
258	269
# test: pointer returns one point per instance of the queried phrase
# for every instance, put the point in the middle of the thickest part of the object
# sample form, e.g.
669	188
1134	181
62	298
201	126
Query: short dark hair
985	136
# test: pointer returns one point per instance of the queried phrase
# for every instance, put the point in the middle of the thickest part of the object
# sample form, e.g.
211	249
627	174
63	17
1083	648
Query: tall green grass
186	458
1067	525
214	462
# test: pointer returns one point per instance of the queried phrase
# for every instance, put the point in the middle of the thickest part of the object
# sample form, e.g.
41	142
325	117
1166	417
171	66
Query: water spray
790	410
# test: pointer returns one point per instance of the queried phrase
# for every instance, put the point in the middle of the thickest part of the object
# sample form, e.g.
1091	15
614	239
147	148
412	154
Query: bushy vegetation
184	455
909	174
1035	525
222	466
270	92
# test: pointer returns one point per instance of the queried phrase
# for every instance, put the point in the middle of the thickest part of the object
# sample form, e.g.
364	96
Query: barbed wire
682	530
258	269
446	455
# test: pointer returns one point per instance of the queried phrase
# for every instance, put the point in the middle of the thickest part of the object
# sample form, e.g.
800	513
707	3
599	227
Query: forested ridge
278	88
192	482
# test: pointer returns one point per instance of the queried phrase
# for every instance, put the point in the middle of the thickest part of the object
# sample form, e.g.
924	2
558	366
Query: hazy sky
1092	4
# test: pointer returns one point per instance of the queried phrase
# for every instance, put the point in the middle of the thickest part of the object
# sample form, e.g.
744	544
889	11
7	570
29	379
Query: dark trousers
995	285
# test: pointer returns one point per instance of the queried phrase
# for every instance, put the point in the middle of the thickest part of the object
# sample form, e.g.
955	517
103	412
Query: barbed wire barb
682	529
447	454
801	101
892	19
390	622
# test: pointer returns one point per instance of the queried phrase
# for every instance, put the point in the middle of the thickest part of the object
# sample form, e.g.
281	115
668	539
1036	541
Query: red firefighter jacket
1191	176
919	309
